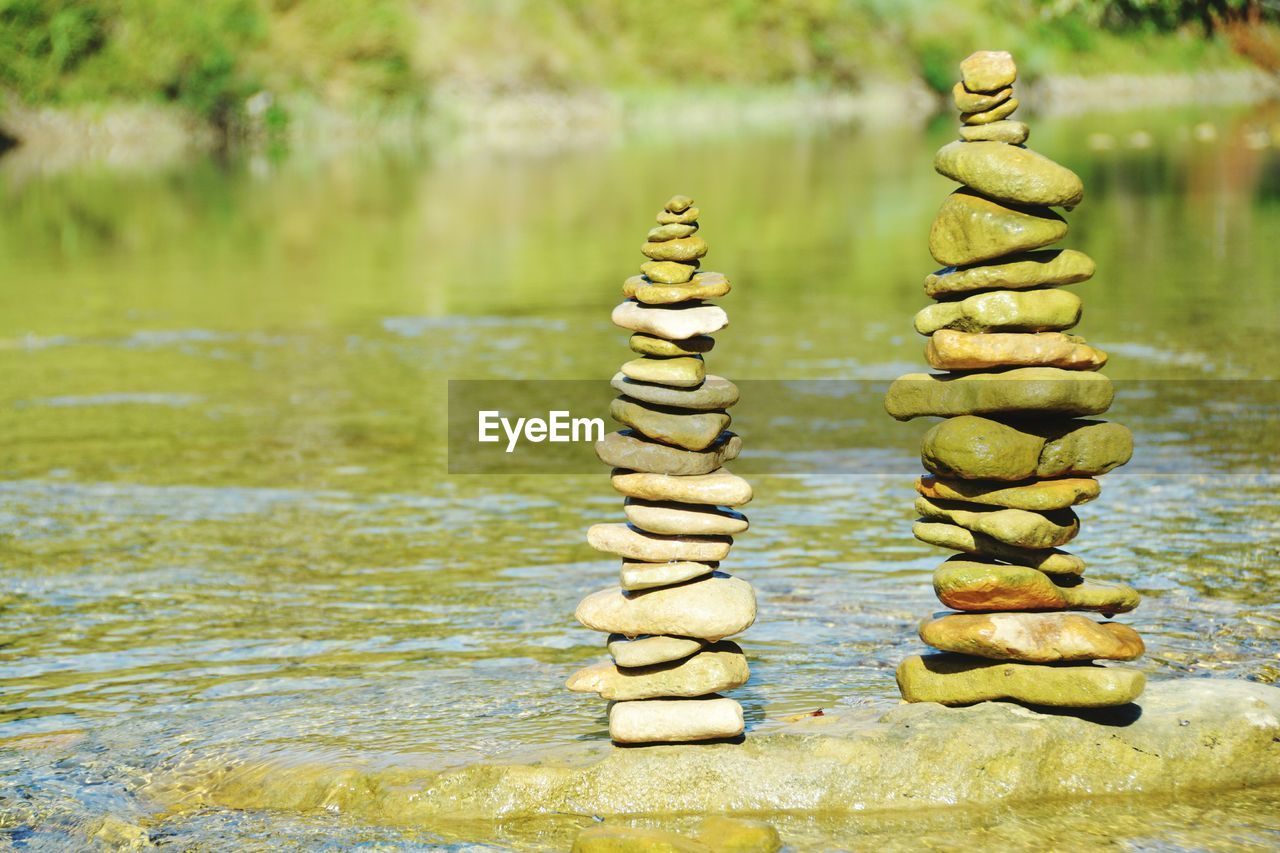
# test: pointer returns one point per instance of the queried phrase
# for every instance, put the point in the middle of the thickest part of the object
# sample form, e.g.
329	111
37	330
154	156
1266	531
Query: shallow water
228	537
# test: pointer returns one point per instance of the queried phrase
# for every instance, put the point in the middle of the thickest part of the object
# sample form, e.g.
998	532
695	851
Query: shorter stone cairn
1012	456
668	621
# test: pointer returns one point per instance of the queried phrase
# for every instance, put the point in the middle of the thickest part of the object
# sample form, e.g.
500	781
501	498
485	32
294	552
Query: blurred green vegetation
212	56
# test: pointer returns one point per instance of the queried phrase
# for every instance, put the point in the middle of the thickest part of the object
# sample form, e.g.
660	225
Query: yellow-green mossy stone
1021	528
953	679
1009	173
1047	310
970	228
1022	390
651	345
674	231
998	113
629	449
682	371
957	538
1017	272
692	430
684	217
683	249
952	350
704	285
720	666
737	835
676	519
722	487
710	609
972	585
1008	131
678	204
976	102
633	839
1032	637
668	272
988	70
974	448
1036	495
1082	448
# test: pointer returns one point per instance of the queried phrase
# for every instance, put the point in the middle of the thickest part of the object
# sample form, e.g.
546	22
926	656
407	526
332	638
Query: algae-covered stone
678	204
634	839
974	448
645	651
687	216
682	249
976	102
673	231
1083	448
636	575
669	272
1003	310
1040	390
953	350
715	392
997	113
970	228
1031	637
632	544
628	449
988	70
953	536
704	285
650	345
980	586
953	679
680	371
1037	495
1008	131
720	666
737	835
1016	272
1018	527
710	609
668	517
721	487
1009	173
691	430
673	322
675	720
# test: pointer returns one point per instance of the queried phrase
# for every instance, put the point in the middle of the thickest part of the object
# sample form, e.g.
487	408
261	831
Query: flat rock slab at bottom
1182	735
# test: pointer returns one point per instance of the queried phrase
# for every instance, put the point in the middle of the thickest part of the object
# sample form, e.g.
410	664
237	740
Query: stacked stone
668	620
1013	455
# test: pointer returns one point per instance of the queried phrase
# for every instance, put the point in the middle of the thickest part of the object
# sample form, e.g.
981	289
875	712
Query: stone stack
668	620
1014	453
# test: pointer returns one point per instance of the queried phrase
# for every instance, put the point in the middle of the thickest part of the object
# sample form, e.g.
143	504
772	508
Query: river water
229	537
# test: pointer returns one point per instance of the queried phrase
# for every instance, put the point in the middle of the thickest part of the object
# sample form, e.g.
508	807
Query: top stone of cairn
988	71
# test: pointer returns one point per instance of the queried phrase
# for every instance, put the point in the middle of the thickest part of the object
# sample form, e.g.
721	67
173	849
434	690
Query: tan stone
976	102
988	70
715	392
1017	272
682	371
628	449
720	666
1031	637
959	680
710	609
675	720
645	651
682	249
737	835
632	544
673	322
703	285
721	487
649	345
638	575
1003	310
957	538
970	228
1018	527
972	585
949	349
1008	131
1022	390
669	272
611	838
1036	495
998	113
670	518
678	427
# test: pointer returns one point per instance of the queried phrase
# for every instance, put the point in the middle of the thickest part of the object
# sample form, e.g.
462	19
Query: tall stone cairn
1013	455
668	620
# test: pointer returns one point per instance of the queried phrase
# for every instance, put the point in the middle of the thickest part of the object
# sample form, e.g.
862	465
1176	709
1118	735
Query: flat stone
721	666
1003	310
668	517
1033	494
970	228
1186	738
1038	390
669	272
704	285
952	350
649	345
677	427
974	448
632	544
673	322
684	217
959	680
988	70
1009	173
682	371
976	102
675	720
678	204
721	487
1032	637
673	231
1008	131
645	651
998	113
634	839
628	449
980	586
710	609
1018	527
715	392
637	575
955	537
1082	448
1016	272
683	249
